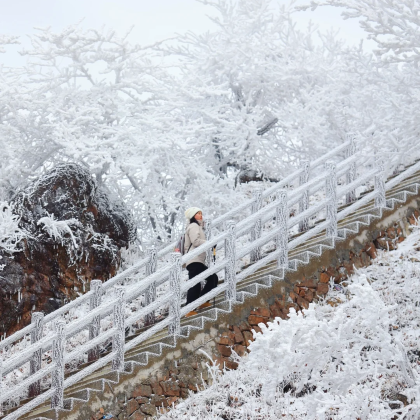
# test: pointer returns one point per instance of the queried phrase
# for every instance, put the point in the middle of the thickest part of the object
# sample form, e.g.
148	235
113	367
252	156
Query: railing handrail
326	179
120	277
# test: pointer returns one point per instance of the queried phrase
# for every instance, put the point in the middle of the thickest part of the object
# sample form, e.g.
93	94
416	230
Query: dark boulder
74	235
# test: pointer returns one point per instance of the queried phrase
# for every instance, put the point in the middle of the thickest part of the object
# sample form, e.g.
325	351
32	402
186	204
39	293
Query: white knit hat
191	212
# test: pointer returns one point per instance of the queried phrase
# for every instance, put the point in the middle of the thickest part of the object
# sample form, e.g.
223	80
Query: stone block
248	337
264	312
382	243
142	391
244	326
170	388
239	338
255	320
187	371
371	250
309	295
225	341
281	303
391	232
184	393
324	278
303	303
293	296
257	329
224	362
332	271
132	406
231	335
275	311
182	381
148	409
224	350
192	387
172	400
322	289
156	388
239	349
159	401
230	364
142	400
138	415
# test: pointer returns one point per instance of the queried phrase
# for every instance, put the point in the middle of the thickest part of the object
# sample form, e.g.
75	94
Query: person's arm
195	235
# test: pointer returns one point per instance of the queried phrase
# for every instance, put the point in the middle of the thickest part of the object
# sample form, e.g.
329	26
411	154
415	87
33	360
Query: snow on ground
354	355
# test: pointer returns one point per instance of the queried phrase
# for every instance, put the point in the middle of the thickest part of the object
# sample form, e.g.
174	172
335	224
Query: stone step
314	250
250	286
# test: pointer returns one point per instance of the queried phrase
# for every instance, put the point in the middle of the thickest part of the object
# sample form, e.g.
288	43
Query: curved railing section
309	202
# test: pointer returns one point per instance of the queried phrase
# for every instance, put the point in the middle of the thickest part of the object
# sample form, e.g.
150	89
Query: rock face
74	235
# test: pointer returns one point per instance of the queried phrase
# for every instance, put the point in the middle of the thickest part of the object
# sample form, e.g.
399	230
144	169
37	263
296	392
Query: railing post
35	363
304	201
57	382
208	233
175	288
230	255
150	294
351	173
331	196
282	238
380	199
118	340
95	325
256	230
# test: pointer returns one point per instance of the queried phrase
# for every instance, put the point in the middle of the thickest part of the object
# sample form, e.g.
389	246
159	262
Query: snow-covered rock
72	232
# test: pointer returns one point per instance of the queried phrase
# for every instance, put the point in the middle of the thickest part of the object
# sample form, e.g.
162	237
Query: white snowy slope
355	355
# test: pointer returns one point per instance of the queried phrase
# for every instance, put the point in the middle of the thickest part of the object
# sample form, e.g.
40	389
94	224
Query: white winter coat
194	237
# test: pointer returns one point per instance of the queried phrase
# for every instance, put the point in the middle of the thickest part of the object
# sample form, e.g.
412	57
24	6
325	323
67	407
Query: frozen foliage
57	229
354	355
390	78
159	125
392	24
11	234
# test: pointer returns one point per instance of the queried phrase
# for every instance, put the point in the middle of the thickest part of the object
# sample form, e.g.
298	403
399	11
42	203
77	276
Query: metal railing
274	214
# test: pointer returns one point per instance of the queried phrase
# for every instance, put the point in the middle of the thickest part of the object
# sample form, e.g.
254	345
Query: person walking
194	237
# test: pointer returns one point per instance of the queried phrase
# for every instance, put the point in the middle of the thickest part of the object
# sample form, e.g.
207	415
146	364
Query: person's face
199	216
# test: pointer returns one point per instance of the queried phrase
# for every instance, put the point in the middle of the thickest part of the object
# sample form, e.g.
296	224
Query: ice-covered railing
149	263
269	224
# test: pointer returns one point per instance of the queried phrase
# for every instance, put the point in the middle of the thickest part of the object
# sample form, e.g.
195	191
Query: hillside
353	355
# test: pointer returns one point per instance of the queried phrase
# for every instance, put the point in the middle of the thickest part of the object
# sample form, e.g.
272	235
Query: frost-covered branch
59	229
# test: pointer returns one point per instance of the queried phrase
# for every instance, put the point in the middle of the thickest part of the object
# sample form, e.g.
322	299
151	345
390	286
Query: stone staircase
149	352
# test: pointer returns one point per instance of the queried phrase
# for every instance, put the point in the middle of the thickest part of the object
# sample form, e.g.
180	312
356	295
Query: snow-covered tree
159	131
180	122
390	78
256	90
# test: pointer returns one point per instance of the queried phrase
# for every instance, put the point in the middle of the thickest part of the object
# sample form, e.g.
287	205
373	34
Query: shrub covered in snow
11	234
354	355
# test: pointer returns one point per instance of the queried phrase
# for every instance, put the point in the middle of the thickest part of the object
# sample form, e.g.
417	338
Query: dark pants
194	269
